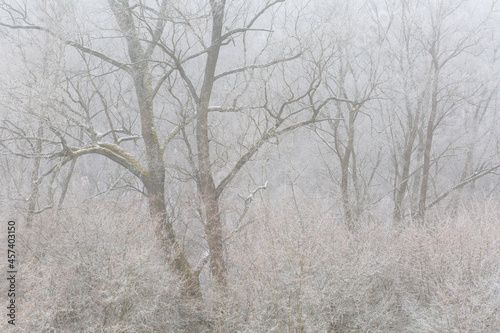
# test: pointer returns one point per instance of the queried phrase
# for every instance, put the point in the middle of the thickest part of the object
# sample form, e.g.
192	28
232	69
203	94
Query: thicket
95	267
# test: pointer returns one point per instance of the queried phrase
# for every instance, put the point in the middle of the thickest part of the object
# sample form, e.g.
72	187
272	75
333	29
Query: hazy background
263	166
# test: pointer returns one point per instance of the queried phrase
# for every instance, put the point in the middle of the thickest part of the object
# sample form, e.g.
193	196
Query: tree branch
466	181
252	21
268	134
76	45
109	150
242	69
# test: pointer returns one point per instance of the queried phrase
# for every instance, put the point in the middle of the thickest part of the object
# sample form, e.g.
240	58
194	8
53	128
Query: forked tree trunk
402	187
155	181
209	195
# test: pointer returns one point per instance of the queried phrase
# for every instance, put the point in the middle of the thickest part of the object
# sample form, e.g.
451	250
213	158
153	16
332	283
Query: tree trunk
34	185
155	183
209	194
418	174
65	184
402	187
428	146
344	165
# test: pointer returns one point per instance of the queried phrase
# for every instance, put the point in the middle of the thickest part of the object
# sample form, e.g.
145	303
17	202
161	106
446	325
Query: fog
263	166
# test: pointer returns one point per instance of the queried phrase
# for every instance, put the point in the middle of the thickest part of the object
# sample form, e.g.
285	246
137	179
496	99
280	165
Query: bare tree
442	53
112	95
76	110
427	43
353	74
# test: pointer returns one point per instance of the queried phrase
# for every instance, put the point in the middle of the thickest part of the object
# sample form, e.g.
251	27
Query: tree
75	107
353	73
158	55
427	43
